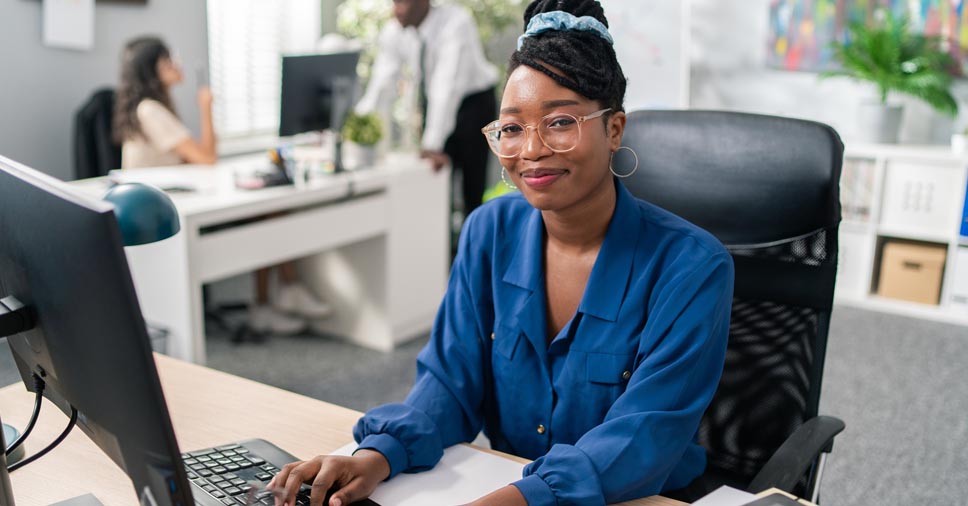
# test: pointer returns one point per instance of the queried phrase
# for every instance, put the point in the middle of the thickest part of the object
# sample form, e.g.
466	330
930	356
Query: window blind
246	41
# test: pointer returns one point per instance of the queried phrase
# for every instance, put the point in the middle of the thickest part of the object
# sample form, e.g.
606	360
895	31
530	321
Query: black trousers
467	147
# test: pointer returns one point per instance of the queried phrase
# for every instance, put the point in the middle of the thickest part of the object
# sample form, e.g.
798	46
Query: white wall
42	87
728	71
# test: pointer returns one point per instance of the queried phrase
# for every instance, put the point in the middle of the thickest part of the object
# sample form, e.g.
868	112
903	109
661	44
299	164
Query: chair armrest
797	454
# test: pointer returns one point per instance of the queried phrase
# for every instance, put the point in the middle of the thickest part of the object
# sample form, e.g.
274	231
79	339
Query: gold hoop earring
633	168
506	183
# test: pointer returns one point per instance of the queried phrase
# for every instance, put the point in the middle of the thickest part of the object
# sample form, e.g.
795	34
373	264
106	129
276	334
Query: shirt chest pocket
608	369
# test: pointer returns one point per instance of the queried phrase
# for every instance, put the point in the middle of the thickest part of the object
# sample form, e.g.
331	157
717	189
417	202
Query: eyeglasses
560	132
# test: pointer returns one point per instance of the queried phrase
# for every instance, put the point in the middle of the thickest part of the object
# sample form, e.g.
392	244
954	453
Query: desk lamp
144	214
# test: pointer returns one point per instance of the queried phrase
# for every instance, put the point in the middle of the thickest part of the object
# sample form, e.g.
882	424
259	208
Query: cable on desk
41	453
39	386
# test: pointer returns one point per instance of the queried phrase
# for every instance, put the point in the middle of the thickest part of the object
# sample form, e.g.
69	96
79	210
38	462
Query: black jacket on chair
95	152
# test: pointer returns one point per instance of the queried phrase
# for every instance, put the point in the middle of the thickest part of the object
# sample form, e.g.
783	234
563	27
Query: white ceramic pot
878	122
358	156
959	144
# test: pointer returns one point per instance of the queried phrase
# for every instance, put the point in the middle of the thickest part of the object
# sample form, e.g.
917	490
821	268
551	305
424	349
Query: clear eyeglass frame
494	128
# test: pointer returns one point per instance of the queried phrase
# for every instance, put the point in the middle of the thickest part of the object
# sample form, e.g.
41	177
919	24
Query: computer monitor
317	91
61	255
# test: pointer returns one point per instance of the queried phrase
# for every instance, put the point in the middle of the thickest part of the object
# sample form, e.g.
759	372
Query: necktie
422	89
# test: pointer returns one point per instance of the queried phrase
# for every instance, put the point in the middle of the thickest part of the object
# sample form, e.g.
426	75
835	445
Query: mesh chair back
767	187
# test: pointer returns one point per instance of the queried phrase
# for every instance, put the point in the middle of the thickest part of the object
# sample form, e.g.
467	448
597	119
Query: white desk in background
374	243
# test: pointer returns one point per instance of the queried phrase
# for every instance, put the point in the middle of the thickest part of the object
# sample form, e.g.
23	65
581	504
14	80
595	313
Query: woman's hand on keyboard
349	478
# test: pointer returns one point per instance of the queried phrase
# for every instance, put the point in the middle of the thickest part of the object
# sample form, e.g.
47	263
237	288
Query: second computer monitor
317	91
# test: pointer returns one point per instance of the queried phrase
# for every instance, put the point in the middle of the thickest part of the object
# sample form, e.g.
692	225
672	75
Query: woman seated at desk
582	328
152	135
145	122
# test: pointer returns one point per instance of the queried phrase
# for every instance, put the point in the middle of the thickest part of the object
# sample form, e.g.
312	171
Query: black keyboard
223	475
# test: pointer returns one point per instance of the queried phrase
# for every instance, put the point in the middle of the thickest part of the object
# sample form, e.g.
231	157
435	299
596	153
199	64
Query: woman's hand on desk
506	496
351	478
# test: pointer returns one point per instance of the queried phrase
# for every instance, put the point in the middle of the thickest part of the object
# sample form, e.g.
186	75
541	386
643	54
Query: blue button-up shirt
609	408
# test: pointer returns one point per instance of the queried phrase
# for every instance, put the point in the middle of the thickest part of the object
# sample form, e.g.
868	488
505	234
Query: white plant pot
959	144
880	123
358	156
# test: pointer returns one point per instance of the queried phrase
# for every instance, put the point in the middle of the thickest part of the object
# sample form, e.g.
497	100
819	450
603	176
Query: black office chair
95	151
768	188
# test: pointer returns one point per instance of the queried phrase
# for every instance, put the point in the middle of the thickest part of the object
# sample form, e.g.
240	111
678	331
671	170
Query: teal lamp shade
145	214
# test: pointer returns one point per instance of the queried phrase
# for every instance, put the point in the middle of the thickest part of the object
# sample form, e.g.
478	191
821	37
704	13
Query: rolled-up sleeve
385	68
643	437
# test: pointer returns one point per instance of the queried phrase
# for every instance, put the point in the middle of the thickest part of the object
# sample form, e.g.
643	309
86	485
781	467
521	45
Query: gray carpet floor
901	387
898	383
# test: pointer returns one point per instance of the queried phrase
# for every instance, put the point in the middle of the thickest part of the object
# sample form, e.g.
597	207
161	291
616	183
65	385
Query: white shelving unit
910	193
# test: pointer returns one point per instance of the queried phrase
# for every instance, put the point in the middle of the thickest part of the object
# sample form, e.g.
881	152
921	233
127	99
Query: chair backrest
95	152
768	188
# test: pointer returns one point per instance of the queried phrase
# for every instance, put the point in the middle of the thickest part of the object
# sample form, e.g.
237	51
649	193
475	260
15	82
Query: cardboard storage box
912	271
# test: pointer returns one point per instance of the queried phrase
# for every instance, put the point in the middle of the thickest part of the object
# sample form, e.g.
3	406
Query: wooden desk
208	408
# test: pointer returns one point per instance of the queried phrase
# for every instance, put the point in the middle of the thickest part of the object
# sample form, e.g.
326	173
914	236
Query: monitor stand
338	153
342	101
6	491
84	500
15	318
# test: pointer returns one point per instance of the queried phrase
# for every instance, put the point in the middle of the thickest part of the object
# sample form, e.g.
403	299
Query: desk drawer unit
234	250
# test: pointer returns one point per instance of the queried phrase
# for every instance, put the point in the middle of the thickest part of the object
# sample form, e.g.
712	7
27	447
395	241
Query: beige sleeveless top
161	132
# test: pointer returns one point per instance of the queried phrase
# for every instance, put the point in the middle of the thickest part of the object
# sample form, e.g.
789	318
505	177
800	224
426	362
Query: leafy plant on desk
893	58
363	129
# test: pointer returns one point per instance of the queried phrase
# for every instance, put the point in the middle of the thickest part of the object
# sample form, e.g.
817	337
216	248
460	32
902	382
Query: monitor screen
61	254
317	91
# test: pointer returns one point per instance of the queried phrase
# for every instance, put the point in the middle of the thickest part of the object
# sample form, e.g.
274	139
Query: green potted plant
361	133
894	59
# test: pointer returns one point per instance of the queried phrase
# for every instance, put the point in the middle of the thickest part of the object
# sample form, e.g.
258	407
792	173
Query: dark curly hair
139	81
585	63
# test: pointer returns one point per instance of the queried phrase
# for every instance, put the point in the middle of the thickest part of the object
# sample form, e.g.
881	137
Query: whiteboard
652	45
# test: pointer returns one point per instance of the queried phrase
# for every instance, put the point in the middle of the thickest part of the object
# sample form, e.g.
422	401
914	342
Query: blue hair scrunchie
562	21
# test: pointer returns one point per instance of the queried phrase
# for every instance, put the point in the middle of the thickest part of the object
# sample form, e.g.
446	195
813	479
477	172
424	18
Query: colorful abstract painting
801	30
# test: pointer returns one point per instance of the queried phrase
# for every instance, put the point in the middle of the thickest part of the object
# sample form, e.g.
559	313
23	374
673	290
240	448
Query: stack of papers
462	475
726	496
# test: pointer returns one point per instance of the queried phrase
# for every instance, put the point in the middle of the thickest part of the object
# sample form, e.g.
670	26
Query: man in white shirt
456	85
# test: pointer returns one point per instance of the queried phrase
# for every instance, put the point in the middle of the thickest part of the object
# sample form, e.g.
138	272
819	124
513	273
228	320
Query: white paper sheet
69	23
462	475
187	178
725	496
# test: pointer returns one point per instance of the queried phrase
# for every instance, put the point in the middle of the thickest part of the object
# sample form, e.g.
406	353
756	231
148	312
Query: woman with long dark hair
145	121
146	124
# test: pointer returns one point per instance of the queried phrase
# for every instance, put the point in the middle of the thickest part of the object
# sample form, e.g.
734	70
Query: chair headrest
746	178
